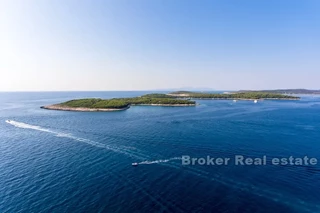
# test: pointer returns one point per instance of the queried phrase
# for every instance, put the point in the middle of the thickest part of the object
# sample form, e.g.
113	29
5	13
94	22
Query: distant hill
286	91
186	89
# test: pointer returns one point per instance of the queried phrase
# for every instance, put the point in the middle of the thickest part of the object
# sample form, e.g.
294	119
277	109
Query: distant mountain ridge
186	89
286	91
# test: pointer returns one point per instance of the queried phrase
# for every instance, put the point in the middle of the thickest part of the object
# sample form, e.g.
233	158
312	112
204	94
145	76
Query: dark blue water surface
57	161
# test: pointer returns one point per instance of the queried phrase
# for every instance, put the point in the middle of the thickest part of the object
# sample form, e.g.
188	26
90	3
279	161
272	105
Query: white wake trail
122	149
28	126
160	161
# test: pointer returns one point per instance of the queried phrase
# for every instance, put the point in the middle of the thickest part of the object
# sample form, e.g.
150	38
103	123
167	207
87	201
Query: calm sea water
55	161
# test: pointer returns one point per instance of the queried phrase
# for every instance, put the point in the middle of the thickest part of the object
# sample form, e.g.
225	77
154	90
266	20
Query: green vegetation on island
183	92
239	95
96	103
115	104
124	102
158	101
156	95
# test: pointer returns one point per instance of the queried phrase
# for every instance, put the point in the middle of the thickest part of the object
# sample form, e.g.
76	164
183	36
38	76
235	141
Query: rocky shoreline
82	109
166	105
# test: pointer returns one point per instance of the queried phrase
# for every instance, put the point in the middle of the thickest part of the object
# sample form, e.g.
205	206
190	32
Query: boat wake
119	149
28	126
159	161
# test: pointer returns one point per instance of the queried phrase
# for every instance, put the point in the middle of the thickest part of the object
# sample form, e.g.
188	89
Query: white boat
234	100
255	101
134	164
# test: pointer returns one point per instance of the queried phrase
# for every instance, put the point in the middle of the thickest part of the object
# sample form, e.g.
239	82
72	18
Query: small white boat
255	101
234	100
134	164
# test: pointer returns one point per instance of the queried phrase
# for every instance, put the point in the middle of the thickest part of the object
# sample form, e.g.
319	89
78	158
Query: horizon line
146	90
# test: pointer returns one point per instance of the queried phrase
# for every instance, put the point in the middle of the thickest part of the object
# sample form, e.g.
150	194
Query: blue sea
59	161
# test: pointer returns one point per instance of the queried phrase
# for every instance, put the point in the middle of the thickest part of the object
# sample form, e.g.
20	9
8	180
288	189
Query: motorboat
134	164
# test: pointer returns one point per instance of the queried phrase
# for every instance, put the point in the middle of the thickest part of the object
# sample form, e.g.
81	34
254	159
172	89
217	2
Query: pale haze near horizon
150	45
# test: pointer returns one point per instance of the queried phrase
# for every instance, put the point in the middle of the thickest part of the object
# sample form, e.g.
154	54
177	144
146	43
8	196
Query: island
287	91
178	98
118	104
90	105
233	96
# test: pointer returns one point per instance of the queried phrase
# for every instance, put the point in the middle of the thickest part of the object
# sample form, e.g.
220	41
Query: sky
83	45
